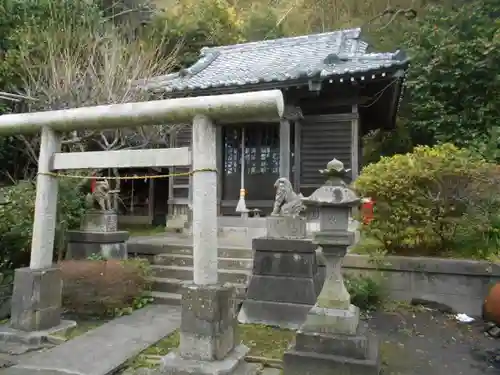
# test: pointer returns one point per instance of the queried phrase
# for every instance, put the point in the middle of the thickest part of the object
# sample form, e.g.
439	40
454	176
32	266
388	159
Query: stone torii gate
208	308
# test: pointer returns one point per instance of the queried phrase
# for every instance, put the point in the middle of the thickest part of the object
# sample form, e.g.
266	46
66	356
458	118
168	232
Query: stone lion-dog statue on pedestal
286	201
101	195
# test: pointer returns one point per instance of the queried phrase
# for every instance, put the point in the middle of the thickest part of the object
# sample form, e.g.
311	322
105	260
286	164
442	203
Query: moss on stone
263	341
82	326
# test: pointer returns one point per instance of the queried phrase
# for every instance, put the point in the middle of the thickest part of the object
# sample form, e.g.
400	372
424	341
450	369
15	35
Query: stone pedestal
323	353
100	221
98	236
286	227
284	281
332	340
208	335
35	306
36	299
110	245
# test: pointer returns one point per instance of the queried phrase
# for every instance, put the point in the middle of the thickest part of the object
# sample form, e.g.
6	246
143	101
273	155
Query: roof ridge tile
346	34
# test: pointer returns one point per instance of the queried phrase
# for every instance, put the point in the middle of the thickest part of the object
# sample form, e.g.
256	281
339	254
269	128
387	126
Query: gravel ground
425	342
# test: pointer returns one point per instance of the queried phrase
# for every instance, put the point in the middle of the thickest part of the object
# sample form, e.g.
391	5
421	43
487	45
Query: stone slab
283	245
275	314
282	289
104	349
333	321
286	227
32	338
306	363
341	239
174	364
36	299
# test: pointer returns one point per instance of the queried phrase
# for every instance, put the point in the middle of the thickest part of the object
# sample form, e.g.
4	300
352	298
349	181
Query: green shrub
366	292
16	219
97	287
425	199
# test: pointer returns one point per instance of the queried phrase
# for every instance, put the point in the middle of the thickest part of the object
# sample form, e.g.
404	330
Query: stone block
284	264
306	363
335	241
284	282
333	218
286	227
275	314
100	221
36	299
208	322
282	289
33	339
110	245
174	364
332	321
352	346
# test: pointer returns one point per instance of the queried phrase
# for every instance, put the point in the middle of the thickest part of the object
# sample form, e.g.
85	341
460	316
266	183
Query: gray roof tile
311	56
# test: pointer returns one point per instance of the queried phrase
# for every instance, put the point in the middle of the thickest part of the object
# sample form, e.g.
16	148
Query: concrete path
104	349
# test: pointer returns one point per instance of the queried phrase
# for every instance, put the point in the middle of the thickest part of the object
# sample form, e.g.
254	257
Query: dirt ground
425	342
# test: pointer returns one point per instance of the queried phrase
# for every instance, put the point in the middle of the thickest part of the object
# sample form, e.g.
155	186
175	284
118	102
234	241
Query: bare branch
408	13
93	65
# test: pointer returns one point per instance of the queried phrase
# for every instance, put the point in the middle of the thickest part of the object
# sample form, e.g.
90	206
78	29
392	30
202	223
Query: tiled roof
304	57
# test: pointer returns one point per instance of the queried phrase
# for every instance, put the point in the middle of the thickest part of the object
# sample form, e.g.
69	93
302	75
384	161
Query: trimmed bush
431	201
105	287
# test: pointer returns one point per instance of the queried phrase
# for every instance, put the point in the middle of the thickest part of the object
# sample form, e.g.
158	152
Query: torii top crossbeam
232	108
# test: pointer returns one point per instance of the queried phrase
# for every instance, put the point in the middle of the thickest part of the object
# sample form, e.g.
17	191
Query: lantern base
334	321
332	341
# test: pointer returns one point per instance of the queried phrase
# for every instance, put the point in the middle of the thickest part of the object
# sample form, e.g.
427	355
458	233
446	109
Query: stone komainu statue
286	202
101	195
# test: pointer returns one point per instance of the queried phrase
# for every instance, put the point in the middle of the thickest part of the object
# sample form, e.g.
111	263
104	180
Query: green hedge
435	201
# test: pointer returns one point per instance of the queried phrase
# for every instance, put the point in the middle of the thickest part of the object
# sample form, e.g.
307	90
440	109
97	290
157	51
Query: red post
367	210
93	183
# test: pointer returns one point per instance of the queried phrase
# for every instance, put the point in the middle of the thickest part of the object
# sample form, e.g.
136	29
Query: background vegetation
65	53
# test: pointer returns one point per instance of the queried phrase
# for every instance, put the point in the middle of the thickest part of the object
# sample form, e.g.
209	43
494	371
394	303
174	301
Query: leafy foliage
23	25
194	25
453	81
366	292
379	143
425	199
16	219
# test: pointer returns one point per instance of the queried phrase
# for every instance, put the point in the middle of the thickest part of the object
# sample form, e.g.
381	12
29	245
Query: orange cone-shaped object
491	305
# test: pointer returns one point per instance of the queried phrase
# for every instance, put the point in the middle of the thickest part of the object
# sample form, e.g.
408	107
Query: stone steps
184	260
150	249
172	264
162	298
186	273
173	286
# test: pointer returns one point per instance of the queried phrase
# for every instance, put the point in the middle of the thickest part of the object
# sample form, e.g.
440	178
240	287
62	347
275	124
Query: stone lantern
331	340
